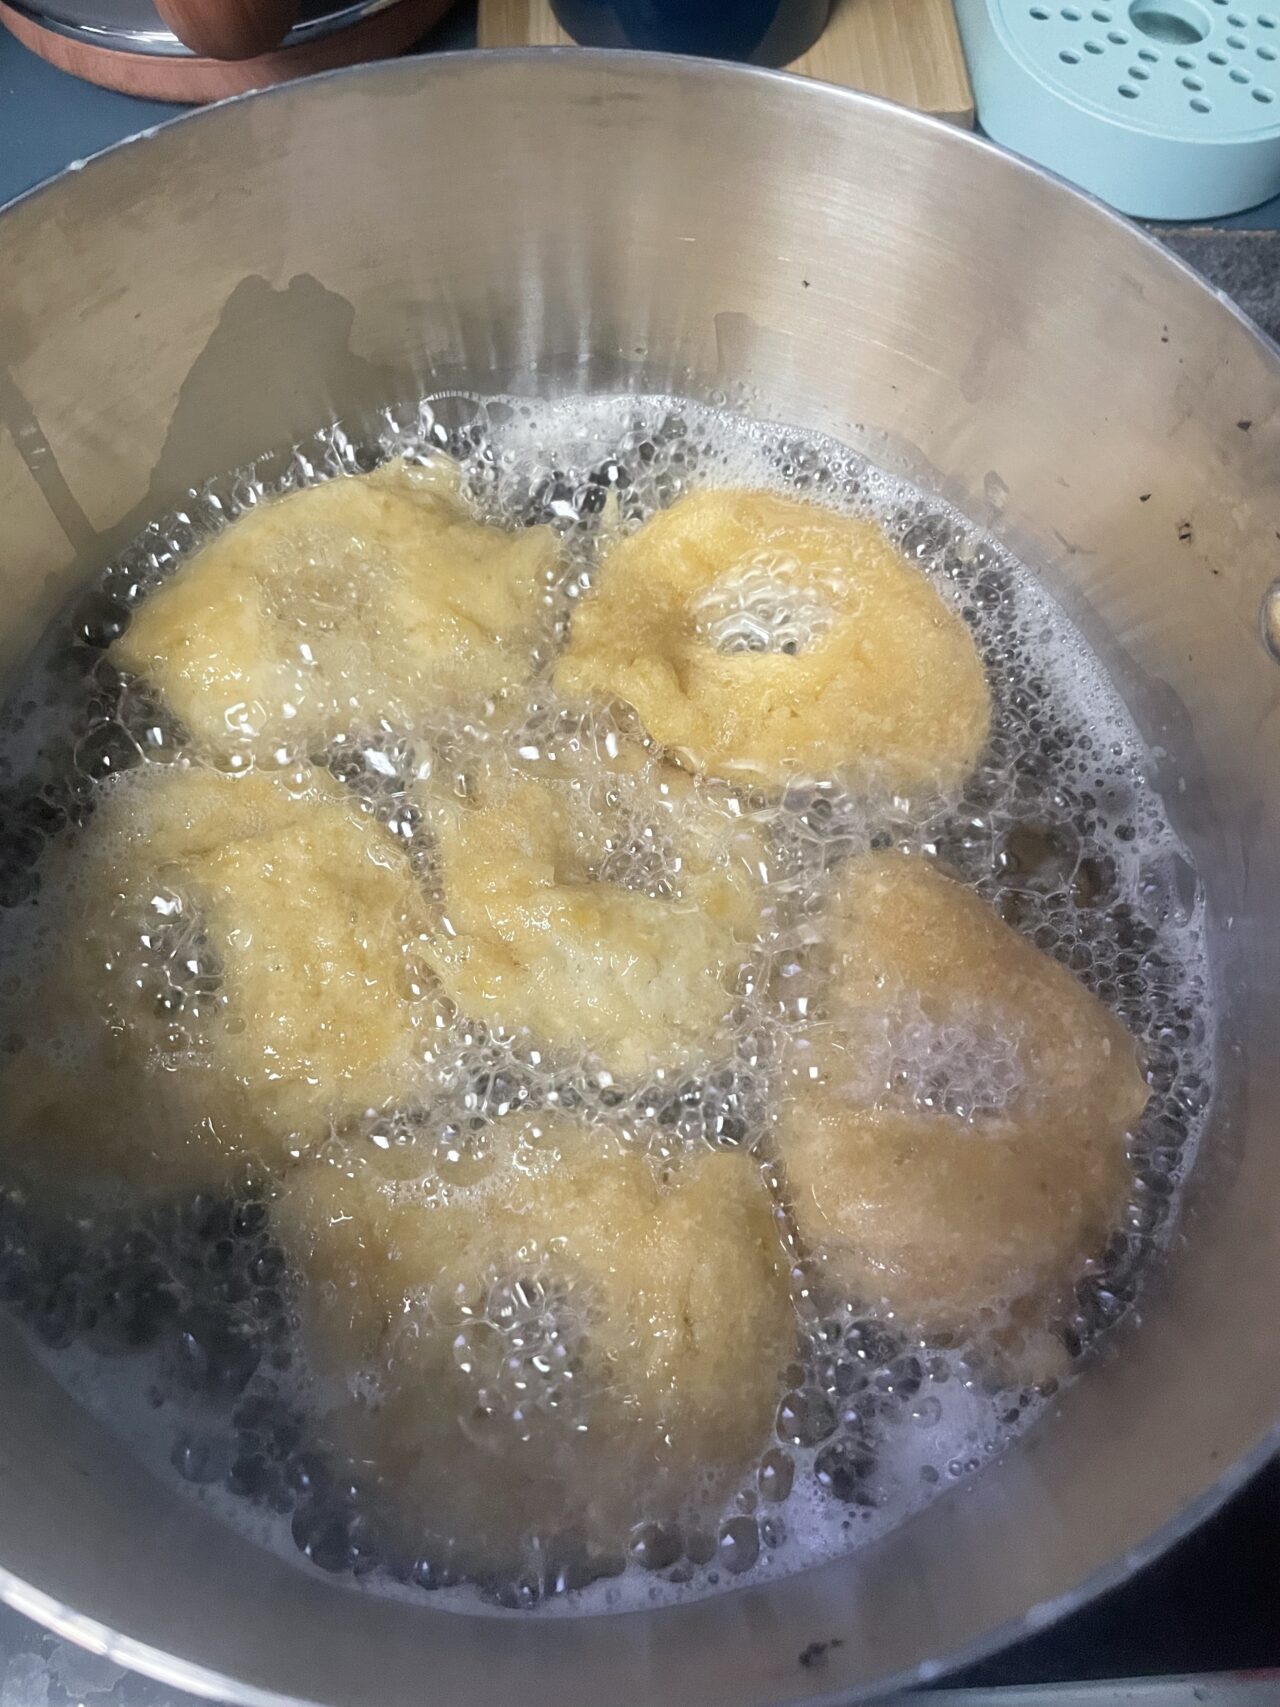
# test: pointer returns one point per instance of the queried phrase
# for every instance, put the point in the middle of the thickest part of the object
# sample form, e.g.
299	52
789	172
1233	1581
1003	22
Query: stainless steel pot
549	221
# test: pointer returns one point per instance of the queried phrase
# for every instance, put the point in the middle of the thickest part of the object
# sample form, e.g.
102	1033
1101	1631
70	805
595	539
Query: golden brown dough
866	672
956	1140
358	599
583	1343
229	975
613	922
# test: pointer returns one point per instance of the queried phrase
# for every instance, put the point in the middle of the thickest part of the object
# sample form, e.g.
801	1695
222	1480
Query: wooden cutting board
906	50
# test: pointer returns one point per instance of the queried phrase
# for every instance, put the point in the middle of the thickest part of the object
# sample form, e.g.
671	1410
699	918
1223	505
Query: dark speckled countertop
1245	264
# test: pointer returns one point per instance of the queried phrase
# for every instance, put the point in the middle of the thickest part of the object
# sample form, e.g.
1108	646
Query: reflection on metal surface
133	26
38	1669
1269	617
36	451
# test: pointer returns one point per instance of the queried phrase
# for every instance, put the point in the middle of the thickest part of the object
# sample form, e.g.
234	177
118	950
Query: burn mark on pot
1186	533
1244	425
815	1654
1144	497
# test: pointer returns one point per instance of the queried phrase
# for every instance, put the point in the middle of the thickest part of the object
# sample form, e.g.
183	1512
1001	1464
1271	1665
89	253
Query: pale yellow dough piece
885	686
949	1220
583	1344
537	934
362	598
304	920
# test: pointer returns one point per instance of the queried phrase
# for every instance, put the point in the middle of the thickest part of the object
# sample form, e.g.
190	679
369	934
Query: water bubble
805	1417
739	1546
926	1412
431	1574
324	1536
655	1546
107	750
1041	857
200	1459
763	607
777	1475
100	619
214	1353
844	1467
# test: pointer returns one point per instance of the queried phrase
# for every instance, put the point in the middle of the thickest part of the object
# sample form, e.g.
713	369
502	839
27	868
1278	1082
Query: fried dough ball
612	920
763	637
959	1146
363	598
582	1344
232	971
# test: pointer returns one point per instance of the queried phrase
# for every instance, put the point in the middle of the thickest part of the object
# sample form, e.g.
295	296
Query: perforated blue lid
1168	109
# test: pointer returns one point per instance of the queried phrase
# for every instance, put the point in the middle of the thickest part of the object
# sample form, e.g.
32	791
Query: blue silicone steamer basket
1167	109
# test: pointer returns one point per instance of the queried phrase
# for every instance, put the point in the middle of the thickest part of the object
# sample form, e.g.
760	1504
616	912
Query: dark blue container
766	32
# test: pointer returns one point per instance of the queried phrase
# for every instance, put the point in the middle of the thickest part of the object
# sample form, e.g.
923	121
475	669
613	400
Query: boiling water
1060	828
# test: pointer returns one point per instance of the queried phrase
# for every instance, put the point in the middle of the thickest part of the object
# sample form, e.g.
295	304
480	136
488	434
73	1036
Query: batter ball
764	638
584	1343
231	972
612	921
956	1142
347	602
